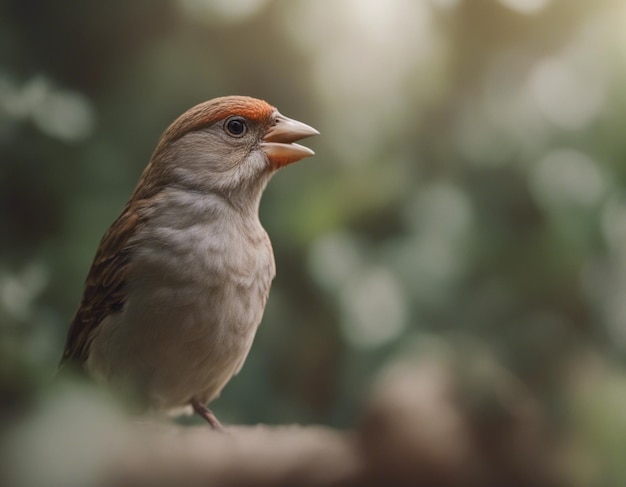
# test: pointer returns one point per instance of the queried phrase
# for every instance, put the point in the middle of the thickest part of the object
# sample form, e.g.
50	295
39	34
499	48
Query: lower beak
279	141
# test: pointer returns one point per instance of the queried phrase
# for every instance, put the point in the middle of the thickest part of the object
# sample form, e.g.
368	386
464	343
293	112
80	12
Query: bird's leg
207	414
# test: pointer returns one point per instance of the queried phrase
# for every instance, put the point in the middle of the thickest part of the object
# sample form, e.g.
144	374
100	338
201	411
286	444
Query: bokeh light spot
333	259
566	178
565	97
525	6
374	308
222	10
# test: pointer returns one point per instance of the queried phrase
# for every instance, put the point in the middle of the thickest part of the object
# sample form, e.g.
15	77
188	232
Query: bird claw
207	414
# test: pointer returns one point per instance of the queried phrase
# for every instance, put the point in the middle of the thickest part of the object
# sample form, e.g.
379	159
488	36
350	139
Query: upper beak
278	142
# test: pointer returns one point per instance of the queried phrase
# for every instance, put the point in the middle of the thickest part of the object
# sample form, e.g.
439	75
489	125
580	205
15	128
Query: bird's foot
207	414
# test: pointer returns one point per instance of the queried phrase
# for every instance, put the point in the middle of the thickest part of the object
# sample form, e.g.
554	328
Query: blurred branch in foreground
424	425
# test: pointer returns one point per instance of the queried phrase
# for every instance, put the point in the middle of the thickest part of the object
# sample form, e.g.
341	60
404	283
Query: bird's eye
236	126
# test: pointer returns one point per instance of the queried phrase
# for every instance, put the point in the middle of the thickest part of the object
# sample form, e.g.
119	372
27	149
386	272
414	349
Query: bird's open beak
279	141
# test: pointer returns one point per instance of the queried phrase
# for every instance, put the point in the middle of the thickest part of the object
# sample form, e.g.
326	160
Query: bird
180	280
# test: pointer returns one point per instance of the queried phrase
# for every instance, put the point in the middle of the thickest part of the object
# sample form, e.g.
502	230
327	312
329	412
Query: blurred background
467	198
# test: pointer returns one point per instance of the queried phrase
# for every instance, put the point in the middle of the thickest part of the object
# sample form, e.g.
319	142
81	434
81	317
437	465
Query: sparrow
179	283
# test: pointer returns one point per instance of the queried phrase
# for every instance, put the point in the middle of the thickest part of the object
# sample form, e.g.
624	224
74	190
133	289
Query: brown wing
104	286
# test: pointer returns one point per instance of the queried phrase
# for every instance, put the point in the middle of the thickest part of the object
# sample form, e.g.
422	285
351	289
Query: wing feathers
105	284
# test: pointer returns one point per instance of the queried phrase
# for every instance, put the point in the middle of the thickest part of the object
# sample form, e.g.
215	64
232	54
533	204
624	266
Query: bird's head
229	145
